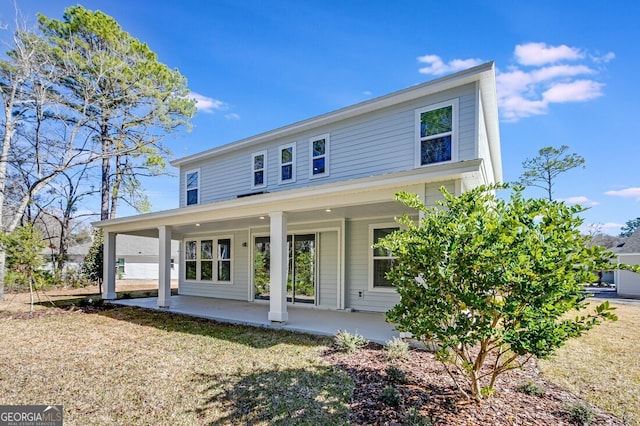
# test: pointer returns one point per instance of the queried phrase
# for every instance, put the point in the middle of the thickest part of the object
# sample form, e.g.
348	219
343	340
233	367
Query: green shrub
531	388
390	396
498	274
397	348
349	343
580	414
413	417
396	375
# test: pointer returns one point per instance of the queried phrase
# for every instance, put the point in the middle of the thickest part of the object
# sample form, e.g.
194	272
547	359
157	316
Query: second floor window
193	187
319	150
259	170
287	163
437	133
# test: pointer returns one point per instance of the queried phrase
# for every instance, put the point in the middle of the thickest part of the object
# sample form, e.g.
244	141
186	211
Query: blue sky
567	73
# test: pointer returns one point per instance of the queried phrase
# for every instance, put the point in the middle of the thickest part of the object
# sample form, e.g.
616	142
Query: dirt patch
429	396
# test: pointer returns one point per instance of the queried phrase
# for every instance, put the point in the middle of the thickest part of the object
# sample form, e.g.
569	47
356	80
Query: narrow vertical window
287	163
258	168
436	129
224	259
382	260
319	156
120	266
191	260
206	260
192	182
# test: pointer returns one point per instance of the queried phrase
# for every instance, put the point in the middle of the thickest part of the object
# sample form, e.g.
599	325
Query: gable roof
631	245
483	75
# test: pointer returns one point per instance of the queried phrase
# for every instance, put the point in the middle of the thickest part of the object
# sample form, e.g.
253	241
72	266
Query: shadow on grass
316	395
254	337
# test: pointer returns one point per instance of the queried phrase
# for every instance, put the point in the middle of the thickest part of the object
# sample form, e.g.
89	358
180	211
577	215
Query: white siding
328	270
373	144
145	268
628	283
358	295
239	288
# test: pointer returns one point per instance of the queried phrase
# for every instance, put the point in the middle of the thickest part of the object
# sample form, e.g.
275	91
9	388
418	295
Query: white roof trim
291	200
484	74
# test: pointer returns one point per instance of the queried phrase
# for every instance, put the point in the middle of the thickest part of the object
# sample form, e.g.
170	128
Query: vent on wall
252	193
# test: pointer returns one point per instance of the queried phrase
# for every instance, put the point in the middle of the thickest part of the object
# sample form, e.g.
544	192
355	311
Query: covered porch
306	320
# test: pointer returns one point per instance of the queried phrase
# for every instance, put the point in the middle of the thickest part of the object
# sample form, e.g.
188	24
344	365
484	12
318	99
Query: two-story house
290	216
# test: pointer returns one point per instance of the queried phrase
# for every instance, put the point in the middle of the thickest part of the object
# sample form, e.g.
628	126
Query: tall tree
541	171
630	227
136	100
32	154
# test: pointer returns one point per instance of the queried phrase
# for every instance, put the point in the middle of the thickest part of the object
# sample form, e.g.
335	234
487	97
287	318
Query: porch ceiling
191	227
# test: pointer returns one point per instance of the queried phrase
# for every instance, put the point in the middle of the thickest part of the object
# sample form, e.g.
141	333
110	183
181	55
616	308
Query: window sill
208	282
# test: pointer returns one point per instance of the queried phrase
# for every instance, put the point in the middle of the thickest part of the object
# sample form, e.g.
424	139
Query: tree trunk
3	258
105	191
116	188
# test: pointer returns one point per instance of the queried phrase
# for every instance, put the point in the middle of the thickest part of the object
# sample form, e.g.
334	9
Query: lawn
129	366
134	366
603	366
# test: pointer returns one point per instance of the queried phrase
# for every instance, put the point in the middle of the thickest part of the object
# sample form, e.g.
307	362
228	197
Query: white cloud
232	116
626	193
207	104
436	66
575	91
581	199
542	75
540	53
603	59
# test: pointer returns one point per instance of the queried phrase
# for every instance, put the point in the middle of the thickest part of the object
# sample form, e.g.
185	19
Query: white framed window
287	163
319	151
208	260
437	133
120	266
380	260
259	169
192	187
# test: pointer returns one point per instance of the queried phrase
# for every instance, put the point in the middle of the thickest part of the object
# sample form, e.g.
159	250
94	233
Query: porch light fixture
197	224
261	217
328	210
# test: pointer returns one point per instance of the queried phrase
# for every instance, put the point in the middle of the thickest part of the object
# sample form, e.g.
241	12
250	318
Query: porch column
278	268
164	265
109	266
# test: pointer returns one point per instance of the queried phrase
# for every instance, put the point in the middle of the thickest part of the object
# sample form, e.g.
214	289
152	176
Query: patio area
301	319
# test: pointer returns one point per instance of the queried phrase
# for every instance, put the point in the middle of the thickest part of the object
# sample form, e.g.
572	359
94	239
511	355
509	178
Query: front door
301	276
301	280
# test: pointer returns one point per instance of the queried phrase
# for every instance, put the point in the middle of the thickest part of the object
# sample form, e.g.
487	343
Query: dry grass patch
133	366
603	366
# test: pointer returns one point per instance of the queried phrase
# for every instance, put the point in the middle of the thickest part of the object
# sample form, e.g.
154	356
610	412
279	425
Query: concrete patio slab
301	319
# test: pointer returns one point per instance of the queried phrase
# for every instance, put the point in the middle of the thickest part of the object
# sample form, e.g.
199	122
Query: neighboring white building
137	258
289	216
628	283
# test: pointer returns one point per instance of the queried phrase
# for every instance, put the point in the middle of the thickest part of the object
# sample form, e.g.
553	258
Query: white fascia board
339	194
431	87
487	83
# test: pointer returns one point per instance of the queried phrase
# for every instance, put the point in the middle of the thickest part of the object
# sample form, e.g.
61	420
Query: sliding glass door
301	269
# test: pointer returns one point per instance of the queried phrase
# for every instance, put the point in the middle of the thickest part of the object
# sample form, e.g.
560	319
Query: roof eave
470	75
